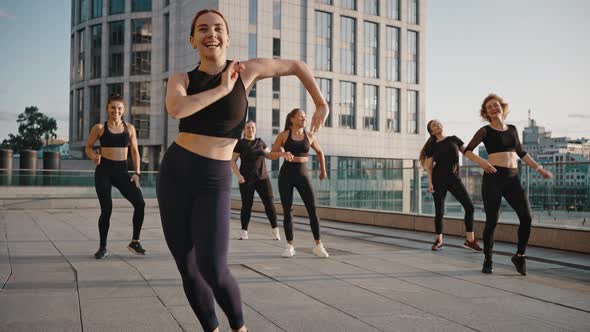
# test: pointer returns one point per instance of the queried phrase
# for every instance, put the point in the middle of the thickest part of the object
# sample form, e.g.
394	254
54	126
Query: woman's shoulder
99	128
178	77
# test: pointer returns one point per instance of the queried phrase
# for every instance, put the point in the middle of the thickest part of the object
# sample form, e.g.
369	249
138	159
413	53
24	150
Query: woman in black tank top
498	181
194	182
113	172
295	141
440	158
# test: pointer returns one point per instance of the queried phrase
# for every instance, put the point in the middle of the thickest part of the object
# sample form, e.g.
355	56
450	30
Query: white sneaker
275	234
289	251
244	235
320	251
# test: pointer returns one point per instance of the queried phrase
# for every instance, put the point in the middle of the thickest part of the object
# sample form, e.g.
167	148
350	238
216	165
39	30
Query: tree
32	126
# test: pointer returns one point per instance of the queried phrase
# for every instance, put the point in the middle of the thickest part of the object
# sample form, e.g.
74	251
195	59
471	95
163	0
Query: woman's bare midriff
116	154
218	148
504	159
299	160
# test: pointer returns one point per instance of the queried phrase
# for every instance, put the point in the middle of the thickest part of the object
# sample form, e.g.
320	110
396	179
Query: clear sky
535	53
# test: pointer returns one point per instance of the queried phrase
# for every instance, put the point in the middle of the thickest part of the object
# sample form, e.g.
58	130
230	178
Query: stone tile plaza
377	279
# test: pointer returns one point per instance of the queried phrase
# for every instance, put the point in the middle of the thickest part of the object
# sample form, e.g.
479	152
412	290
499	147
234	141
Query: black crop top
497	140
225	117
445	154
110	140
252	155
297	148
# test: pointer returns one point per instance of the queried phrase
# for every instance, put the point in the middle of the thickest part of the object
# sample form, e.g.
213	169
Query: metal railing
563	201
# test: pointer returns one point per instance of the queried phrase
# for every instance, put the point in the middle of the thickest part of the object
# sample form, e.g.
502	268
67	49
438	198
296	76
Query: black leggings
264	190
453	184
294	175
505	183
194	195
111	173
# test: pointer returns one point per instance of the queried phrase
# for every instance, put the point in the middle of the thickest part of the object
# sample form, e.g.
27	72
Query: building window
348	45
82	10
371	104
71	117
141	63
348	4
392	53
141	5
276	48
326	2
95	50
251	115
252	47
81	53
276	118
323	41
166	42
326	88
253	12
73	13
116	7
276	87
413	56
392	110
392	9
96	8
115	89
276	14
252	91
348	104
141	32
140	108
372	7
412	112
370	51
80	115
94	111
413	12
116	42
72	58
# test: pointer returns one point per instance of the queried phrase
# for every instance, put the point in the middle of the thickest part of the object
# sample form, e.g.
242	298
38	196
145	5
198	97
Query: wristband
138	174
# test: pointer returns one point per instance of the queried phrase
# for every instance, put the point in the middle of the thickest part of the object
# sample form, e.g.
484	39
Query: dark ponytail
427	146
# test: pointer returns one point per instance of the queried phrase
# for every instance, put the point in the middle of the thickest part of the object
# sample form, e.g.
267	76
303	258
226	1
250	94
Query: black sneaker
101	253
487	266
135	247
437	245
520	264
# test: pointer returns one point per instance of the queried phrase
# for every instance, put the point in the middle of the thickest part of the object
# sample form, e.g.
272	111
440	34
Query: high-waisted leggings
505	183
264	190
194	195
453	184
294	175
111	173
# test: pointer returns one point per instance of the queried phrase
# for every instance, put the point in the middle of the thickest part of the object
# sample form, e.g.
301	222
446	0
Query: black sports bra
297	148
497	140
111	140
224	118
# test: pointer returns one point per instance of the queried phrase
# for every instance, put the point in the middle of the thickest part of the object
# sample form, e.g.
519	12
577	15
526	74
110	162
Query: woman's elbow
172	112
173	109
